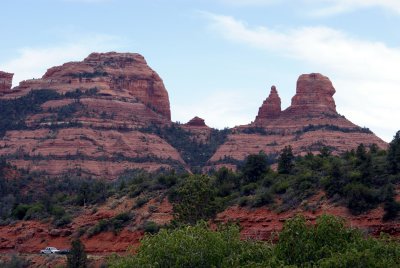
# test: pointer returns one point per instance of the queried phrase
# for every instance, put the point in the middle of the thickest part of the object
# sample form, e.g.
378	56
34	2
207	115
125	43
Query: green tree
393	156
197	246
255	167
77	257
194	200
286	160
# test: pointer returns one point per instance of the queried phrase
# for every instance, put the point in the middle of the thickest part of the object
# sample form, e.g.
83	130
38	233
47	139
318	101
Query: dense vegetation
328	243
13	112
360	180
195	153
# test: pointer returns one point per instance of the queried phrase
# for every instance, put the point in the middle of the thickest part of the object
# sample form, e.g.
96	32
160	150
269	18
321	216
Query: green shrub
195	200
263	198
195	246
77	257
64	220
140	202
114	224
151	227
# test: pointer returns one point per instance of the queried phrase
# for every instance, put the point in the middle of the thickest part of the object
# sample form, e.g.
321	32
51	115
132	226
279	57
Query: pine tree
393	156
286	160
77	257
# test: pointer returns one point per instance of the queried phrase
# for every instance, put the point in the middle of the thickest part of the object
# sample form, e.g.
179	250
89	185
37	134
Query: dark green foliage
334	128
151	227
114	224
77	93
360	197
15	262
254	130
195	154
393	156
194	200
91	192
69	110
97	73
392	209
255	167
286	161
140	202
13	112
77	257
263	198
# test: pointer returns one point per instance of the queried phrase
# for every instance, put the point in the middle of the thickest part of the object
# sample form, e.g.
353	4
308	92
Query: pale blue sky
219	58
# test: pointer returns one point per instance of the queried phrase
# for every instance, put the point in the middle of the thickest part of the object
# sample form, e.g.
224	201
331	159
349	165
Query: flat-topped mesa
314	95
5	82
271	107
120	75
196	122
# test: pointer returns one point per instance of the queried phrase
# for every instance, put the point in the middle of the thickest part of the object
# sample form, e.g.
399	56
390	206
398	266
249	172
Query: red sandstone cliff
101	131
270	109
308	124
123	75
5	82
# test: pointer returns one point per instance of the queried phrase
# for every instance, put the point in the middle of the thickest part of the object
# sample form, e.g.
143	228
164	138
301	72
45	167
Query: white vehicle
49	250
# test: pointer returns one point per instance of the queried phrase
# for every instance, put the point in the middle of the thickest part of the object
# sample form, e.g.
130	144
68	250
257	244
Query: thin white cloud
330	7
33	62
251	2
325	7
364	73
88	1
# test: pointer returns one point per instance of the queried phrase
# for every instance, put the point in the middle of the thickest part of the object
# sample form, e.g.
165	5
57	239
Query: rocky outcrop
270	109
199	130
92	126
196	122
310	123
314	95
90	152
110	107
123	75
5	82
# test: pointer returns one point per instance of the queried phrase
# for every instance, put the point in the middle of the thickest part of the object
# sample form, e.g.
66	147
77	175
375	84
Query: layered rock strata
308	124
270	109
5	82
91	121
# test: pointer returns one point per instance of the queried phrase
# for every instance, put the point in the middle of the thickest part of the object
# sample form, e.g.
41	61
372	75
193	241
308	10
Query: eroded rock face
309	124
5	82
271	107
124	75
314	95
93	124
196	122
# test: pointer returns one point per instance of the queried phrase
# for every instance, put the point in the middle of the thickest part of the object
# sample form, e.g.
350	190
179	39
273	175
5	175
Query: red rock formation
124	75
130	95
196	122
270	109
314	95
5	82
200	131
310	123
105	153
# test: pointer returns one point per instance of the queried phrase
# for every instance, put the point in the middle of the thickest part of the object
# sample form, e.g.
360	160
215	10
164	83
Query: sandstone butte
309	123
104	130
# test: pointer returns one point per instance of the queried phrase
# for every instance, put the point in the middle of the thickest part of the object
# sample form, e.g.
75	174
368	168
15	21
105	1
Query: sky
219	58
